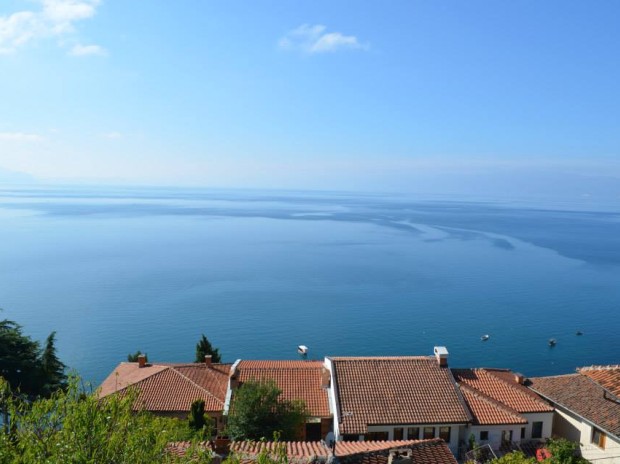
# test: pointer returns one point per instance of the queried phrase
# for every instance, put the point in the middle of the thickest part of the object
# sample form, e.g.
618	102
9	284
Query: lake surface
117	270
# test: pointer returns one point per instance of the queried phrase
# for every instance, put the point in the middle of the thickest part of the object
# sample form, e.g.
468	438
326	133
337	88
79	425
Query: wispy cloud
113	135
53	19
19	137
88	50
316	39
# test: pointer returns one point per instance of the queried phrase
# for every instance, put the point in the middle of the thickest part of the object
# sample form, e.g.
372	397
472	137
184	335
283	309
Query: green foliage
273	455
516	457
257	411
203	348
199	423
53	369
27	369
563	451
20	363
472	441
132	358
73	428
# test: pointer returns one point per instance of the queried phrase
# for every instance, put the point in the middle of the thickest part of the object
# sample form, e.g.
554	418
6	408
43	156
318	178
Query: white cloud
316	39
19	137
88	50
113	135
54	19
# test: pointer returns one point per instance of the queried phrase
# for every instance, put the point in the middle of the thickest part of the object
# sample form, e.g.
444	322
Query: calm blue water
116	270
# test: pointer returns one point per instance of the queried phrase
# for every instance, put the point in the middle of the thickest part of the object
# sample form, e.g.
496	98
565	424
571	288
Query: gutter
229	391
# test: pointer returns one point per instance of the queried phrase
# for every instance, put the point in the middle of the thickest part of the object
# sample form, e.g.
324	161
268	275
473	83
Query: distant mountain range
16	177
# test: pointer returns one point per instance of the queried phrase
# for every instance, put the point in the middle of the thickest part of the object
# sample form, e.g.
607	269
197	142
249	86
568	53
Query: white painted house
418	397
587	410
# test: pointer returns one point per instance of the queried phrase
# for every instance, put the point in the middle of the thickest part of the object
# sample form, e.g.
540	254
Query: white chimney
441	353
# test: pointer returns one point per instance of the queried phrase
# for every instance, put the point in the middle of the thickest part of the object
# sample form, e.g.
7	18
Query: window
398	433
376	436
413	433
598	438
537	429
484	435
522	433
429	432
444	434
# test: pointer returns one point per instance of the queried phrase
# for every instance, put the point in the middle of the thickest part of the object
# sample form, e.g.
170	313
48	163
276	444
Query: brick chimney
325	378
441	353
208	359
142	360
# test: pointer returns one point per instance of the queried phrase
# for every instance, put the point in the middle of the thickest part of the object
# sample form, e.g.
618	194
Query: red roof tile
487	411
170	387
298	380
499	384
396	390
433	451
578	393
607	377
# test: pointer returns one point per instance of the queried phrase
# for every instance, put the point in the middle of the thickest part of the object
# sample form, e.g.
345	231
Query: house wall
495	433
572	427
545	417
455	433
332	396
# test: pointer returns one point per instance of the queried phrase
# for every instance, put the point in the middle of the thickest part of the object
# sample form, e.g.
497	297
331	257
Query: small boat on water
552	342
302	350
579	332
485	337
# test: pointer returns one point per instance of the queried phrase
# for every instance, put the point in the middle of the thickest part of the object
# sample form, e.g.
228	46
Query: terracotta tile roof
396	390
170	387
500	385
316	448
584	397
487	411
433	451
294	449
607	377
298	380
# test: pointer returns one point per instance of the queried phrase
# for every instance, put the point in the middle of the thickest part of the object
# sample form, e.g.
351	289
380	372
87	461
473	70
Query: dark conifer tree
203	348
20	364
52	368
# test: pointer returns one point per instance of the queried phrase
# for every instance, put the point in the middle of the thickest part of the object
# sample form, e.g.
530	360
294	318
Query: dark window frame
535	432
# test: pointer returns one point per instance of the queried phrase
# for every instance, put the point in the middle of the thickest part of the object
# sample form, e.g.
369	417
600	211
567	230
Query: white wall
495	433
455	432
572	427
545	417
332	397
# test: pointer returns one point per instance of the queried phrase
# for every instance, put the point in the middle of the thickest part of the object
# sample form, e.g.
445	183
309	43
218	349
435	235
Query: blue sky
315	94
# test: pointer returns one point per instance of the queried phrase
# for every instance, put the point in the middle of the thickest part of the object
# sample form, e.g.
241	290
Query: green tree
20	364
198	421
564	451
257	411
53	369
204	348
516	457
73	428
132	358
